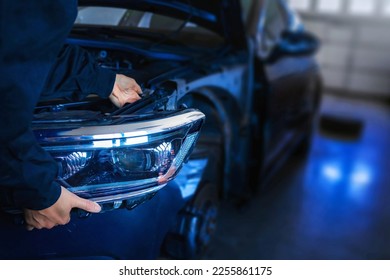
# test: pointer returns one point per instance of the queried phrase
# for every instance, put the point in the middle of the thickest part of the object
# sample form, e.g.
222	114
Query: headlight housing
112	163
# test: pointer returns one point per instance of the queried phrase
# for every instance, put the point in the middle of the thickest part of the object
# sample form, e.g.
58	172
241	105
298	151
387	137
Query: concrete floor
334	205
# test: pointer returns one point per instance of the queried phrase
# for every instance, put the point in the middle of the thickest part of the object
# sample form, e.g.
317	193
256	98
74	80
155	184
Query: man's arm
76	74
27	172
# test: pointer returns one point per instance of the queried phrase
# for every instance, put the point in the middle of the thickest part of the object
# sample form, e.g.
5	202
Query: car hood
221	16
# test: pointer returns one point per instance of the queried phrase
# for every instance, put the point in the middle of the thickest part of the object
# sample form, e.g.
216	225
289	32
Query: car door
284	76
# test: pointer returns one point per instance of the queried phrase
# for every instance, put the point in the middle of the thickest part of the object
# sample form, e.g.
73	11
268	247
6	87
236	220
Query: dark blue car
236	78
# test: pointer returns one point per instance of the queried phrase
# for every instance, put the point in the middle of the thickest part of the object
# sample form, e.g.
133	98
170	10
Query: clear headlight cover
116	162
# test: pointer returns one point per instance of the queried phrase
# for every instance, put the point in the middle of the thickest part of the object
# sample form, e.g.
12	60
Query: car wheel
197	222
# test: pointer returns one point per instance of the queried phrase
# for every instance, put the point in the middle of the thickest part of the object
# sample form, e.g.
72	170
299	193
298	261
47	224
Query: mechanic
35	64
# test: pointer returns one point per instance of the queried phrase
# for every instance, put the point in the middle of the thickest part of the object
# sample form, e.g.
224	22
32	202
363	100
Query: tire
197	222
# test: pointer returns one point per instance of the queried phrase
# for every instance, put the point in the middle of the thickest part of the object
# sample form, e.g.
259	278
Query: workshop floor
334	205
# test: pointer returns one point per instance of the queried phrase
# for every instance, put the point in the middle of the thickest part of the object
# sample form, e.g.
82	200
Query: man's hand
59	212
126	90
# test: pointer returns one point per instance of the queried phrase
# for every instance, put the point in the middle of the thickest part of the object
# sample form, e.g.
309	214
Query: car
231	89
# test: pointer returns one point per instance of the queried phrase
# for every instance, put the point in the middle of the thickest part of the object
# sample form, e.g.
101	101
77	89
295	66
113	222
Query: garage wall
355	36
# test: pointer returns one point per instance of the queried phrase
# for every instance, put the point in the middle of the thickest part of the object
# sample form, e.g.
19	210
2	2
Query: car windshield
156	28
120	17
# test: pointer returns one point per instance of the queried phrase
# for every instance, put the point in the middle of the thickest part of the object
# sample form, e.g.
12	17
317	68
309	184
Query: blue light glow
361	176
332	172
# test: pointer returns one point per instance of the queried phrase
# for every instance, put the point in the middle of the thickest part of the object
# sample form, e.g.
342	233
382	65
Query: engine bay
145	70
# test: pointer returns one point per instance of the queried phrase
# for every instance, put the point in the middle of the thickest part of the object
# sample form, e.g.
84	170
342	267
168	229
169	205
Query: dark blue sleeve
76	74
32	32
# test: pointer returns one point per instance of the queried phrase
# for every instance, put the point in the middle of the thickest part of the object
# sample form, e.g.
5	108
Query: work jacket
37	64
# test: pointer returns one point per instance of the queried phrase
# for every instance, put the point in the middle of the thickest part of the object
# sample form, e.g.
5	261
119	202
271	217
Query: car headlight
120	162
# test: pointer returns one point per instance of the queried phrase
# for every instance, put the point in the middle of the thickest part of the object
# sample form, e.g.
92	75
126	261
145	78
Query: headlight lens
124	161
143	160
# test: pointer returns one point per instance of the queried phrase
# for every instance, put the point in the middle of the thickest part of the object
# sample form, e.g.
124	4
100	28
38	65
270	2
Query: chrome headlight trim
134	194
135	130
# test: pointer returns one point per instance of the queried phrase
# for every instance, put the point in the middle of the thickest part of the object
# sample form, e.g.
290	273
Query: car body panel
119	234
287	82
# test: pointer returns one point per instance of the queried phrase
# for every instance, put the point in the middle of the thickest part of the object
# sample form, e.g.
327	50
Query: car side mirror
294	43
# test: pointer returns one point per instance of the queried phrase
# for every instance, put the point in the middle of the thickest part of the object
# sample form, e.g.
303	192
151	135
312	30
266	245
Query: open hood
221	16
